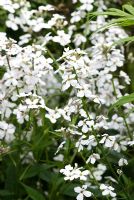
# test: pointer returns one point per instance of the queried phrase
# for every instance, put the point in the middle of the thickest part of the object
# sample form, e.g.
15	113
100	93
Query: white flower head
74	173
92	159
107	190
82	192
122	162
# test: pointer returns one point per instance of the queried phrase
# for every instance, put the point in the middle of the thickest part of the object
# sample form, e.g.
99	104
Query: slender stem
73	156
53	58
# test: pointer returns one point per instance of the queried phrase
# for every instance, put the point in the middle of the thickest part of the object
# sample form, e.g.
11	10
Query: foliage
66	129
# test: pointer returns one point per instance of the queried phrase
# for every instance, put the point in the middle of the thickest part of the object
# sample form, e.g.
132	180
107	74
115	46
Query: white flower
107	140
7	131
62	38
87	5
36	102
82	192
22	113
98	172
59	157
83	175
79	39
122	162
77	16
84	91
80	144
131	143
11	77
86	125
60	147
125	77
119	171
92	159
69	80
74	1
53	115
107	190
12	22
6	108
116	60
58	21
74	173
24	39
91	142
48	7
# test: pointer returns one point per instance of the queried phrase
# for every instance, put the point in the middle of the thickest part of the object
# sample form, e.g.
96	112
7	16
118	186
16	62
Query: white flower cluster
74	173
45	80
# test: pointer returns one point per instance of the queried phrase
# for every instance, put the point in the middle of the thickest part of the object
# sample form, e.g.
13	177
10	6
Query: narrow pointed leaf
33	194
129	8
123	100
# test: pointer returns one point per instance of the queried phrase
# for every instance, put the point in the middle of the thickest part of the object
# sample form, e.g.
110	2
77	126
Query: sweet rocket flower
22	113
48	7
79	39
11	77
24	39
98	172
125	77
12	22
57	21
107	190
107	140
80	143
122	162
87	5
74	173
91	142
53	115
131	143
34	102
84	77
6	108
86	125
69	80
7	131
116	59
59	157
84	91
82	192
77	15
62	38
9	5
92	159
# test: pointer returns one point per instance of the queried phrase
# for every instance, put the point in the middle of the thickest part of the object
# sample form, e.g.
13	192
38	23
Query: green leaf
46	176
112	12
121	21
123	100
121	41
33	194
68	189
124	18
5	193
35	170
118	12
129	8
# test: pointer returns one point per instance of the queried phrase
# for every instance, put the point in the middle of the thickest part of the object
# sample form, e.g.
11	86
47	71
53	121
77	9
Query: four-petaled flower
82	192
